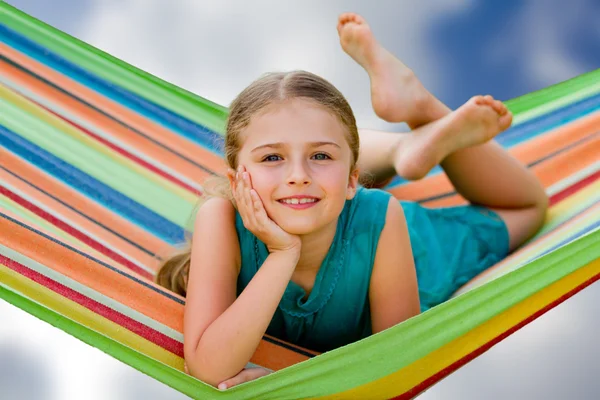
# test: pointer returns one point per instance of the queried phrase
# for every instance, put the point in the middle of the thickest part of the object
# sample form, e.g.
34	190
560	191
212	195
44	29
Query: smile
299	203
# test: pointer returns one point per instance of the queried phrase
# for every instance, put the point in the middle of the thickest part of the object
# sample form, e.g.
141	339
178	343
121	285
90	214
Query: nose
299	174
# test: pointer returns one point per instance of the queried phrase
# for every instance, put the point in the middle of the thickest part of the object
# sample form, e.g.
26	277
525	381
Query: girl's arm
221	332
393	292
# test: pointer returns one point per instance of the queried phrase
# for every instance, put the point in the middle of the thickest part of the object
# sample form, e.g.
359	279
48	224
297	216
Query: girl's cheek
262	181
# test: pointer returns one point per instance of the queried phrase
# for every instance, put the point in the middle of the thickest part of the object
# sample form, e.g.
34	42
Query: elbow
202	369
211	367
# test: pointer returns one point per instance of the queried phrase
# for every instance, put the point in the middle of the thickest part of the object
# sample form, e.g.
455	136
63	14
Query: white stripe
572	179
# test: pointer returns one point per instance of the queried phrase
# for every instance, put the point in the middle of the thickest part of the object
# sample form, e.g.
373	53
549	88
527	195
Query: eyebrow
279	145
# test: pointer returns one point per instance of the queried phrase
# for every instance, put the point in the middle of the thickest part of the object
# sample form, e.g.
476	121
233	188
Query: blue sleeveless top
337	310
450	246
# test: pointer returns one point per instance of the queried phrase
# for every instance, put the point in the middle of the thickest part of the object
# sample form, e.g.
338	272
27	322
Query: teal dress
450	246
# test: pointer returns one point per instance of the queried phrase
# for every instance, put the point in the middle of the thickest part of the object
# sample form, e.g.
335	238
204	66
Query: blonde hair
270	89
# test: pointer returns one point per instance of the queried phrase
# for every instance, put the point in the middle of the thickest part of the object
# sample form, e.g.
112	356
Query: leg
460	141
480	170
396	93
397	96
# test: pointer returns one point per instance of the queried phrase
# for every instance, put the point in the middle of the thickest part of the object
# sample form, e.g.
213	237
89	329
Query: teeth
300	201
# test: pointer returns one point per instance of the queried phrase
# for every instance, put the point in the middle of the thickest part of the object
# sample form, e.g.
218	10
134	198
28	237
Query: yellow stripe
412	375
533	249
576	200
82	315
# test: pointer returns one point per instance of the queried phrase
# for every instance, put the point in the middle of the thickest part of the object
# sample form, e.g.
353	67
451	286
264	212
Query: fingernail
222	386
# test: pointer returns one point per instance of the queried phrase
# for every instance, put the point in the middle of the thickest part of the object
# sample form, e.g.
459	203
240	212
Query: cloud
542	40
216	48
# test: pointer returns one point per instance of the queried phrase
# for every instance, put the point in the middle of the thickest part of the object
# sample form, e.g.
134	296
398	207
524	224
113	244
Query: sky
458	48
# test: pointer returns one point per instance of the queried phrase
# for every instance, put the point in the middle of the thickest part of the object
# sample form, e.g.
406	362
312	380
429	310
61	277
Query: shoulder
215	224
217	206
368	209
395	229
394	218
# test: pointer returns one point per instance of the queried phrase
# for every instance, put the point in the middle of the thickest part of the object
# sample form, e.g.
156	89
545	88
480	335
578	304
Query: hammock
100	168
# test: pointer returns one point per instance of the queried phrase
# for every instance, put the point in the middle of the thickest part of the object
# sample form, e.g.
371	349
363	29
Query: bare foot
396	93
475	122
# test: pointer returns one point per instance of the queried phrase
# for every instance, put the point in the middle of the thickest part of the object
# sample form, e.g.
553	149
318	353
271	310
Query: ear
231	177
352	184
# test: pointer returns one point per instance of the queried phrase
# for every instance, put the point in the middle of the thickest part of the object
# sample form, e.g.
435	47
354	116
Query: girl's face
299	162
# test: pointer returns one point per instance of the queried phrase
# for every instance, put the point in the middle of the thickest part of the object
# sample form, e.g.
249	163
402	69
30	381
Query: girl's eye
272	157
321	157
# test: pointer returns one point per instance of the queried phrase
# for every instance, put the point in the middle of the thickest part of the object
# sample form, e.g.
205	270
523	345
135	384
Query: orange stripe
548	172
79	202
155	131
527	152
83	112
122	289
83	224
77	244
92	274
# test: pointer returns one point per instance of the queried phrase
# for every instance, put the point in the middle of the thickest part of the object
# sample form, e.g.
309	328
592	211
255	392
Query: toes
345	17
350	17
505	120
498	107
501	108
488	100
479	100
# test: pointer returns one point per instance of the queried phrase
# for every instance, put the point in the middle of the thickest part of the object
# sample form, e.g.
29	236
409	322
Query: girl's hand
255	217
247	374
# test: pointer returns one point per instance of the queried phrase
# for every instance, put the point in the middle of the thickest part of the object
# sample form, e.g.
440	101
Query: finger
244	376
259	209
247	212
249	200
239	197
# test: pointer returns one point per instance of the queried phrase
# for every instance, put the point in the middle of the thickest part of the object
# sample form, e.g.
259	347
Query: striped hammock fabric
101	165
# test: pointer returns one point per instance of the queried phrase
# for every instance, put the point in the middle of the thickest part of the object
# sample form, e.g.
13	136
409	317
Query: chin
300	226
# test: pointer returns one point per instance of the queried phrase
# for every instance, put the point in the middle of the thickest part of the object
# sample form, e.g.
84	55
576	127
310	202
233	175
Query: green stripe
389	351
100	166
383	353
589	81
170	376
213	116
169	96
569	98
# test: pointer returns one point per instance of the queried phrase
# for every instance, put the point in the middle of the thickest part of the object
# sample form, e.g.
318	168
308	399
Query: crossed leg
461	141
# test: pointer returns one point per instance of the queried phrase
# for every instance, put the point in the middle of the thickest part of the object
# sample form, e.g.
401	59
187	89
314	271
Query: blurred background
458	48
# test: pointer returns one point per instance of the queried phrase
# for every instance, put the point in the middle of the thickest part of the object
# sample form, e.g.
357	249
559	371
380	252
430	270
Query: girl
297	249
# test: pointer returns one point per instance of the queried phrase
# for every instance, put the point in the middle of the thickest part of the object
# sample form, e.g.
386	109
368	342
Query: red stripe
469	357
132	325
127	154
568	191
74	232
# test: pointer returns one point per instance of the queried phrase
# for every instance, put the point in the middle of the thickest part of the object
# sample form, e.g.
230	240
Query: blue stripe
94	108
582	232
82	214
547	122
91	187
148	109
